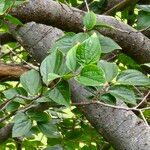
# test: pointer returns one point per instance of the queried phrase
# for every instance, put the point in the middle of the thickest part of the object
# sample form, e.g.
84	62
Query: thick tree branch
12	70
133	42
123	129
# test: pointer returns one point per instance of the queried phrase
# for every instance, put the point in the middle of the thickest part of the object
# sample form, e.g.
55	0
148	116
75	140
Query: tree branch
12	70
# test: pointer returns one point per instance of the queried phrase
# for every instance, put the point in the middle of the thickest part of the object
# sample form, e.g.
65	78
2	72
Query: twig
144	99
141	113
12	51
120	6
4	105
145	29
24	109
104	104
87	6
7	116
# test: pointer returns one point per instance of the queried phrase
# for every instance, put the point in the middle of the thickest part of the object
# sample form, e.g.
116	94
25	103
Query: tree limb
12	70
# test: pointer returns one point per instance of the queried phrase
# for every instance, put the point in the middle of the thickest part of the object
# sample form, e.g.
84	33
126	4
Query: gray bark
123	129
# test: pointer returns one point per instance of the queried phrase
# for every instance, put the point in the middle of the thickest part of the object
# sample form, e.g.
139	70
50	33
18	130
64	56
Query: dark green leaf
13	106
14	92
61	93
133	77
110	69
143	20
89	51
108	98
108	45
50	66
13	20
38	116
22	125
91	75
123	93
31	82
49	129
89	20
71	58
68	41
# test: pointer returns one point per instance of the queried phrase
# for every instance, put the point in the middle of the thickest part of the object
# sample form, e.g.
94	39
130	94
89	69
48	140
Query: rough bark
123	129
41	38
134	43
5	132
12	70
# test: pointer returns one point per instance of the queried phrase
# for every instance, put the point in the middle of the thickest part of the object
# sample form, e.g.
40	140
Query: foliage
76	57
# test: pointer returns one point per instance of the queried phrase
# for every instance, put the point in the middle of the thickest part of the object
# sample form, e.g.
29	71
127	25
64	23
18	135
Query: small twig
24	109
30	65
141	113
144	99
87	6
7	116
145	29
4	105
138	90
104	104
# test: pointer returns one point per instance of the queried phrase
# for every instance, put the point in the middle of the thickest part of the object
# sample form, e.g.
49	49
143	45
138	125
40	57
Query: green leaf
91	75
123	93
89	51
61	93
13	20
107	44
50	66
31	82
22	125
143	20
38	116
89	20
5	5
110	69
68	41
12	94
12	106
108	98
71	58
133	77
49	129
